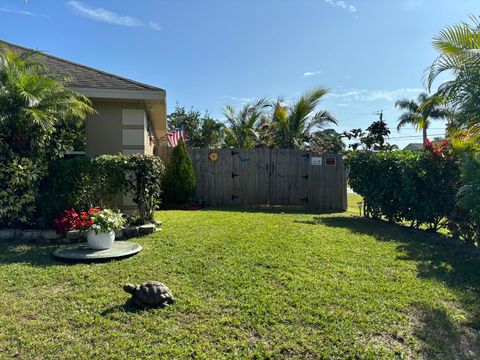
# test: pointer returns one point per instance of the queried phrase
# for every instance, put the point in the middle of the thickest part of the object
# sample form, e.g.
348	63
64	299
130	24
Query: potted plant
100	226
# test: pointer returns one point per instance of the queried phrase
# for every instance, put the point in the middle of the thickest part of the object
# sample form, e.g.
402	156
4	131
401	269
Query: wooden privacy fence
252	177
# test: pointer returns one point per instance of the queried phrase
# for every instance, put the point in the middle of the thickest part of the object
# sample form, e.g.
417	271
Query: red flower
436	150
68	221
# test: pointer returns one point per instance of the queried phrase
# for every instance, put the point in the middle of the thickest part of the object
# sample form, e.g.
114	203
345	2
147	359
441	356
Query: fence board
249	177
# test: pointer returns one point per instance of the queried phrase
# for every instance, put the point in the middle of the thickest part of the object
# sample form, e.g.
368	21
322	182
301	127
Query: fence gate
249	177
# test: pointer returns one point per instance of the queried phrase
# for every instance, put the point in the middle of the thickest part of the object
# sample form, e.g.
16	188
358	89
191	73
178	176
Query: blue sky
207	53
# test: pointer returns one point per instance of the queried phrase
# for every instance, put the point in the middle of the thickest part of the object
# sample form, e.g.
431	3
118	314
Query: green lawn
251	285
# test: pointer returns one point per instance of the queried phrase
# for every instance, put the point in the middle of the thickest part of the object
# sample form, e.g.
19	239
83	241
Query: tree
34	104
420	113
459	55
291	125
201	131
326	141
241	131
374	139
179	181
34	107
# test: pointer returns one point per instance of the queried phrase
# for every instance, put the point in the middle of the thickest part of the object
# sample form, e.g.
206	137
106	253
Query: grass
251	285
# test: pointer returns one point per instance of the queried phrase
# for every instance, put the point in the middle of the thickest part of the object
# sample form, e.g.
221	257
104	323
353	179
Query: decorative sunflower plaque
213	156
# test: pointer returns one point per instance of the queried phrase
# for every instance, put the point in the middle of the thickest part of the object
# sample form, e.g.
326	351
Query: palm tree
33	102
292	125
241	131
459	55
420	113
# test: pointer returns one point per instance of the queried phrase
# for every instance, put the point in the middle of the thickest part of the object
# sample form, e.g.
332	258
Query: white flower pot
100	241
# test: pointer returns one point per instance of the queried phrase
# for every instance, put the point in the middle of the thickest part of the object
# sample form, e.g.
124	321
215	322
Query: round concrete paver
84	252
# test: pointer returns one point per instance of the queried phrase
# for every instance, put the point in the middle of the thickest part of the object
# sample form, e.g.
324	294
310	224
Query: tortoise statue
150	294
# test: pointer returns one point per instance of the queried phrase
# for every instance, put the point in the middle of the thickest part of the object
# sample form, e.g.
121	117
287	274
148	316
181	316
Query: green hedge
466	220
83	182
418	187
19	181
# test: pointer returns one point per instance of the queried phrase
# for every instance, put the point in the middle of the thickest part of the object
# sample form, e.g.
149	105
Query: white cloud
107	16
411	4
240	100
342	4
311	73
22	12
155	26
376	95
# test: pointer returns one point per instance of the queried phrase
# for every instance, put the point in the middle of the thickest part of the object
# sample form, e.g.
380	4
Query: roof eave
96	93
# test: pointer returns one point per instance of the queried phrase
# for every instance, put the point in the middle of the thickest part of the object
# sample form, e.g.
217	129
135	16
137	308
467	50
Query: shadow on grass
440	338
274	210
42	255
31	254
437	257
129	306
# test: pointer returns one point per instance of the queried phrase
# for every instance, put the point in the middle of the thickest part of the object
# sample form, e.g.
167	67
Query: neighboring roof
414	147
84	76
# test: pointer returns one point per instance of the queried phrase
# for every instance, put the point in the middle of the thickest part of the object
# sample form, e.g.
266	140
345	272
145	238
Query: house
414	147
131	116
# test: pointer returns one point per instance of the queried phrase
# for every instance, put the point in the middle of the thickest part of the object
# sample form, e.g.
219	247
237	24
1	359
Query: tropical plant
241	131
459	55
326	141
179	182
292	125
33	104
420	113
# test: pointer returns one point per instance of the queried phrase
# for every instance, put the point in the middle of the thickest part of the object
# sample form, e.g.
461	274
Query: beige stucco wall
122	127
108	134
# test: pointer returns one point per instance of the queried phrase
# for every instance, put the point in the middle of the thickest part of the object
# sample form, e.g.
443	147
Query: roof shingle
84	76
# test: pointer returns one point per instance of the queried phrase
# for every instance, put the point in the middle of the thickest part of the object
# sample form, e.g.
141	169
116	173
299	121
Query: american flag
173	136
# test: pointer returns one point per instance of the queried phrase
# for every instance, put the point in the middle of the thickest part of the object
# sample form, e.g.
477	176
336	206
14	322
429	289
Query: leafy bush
19	181
405	186
179	181
469	200
145	182
83	183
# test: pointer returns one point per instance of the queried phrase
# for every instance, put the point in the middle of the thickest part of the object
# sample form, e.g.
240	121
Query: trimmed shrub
83	183
179	181
145	182
468	225
405	186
